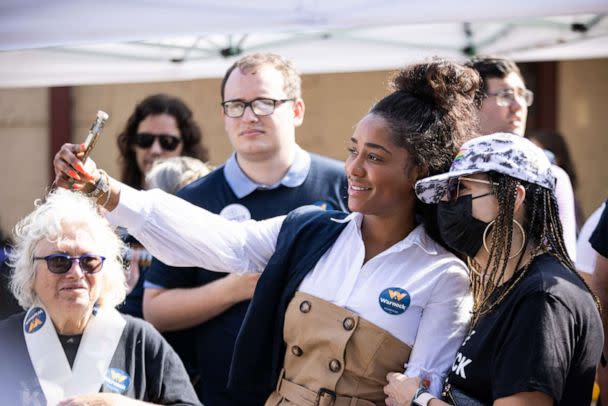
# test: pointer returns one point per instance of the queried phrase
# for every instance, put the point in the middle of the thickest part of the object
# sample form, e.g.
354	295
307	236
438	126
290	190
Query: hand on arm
177	309
401	390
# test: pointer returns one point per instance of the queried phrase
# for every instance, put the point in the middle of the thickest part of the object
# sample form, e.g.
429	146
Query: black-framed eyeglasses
260	106
166	141
505	97
61	263
453	191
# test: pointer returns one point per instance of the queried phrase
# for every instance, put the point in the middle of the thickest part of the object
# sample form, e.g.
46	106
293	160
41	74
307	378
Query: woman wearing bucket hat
535	337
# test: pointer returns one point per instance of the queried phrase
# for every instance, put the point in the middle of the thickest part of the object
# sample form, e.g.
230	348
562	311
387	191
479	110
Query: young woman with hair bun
343	298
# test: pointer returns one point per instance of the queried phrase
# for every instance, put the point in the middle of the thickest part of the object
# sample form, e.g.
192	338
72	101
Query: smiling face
159	124
380	174
512	118
74	292
259	138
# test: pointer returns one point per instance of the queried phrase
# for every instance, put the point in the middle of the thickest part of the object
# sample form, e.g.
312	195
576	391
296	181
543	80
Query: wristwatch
102	186
422	398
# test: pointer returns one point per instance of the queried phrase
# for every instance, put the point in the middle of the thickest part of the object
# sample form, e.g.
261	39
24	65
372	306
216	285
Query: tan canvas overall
334	357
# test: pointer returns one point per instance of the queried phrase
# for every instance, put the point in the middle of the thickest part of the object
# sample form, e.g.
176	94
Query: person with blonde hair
70	345
172	174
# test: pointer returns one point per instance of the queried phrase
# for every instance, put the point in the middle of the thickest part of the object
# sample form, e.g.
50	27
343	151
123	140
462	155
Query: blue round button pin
117	380
34	320
394	300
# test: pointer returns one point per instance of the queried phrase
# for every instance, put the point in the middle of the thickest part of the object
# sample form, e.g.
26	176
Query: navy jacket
306	234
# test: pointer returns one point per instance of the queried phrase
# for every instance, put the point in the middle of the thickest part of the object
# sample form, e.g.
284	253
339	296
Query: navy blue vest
305	236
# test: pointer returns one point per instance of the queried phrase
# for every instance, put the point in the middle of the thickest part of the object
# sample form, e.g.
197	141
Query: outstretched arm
173	230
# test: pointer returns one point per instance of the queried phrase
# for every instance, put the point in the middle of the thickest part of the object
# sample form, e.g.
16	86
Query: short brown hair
291	77
492	67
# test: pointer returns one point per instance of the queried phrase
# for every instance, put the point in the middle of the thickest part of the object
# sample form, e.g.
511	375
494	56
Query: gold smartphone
94	133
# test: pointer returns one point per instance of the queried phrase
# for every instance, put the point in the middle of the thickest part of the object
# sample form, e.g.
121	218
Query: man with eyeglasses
504	108
267	175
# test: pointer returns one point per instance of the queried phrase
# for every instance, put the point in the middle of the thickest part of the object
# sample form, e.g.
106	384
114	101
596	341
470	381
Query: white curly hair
63	209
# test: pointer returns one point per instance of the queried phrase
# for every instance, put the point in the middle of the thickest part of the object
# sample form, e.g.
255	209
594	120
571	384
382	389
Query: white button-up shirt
434	324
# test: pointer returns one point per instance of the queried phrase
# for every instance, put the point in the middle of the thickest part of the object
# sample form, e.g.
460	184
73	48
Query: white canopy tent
70	42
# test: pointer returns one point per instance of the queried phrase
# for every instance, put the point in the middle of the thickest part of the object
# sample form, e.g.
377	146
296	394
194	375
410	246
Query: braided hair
543	233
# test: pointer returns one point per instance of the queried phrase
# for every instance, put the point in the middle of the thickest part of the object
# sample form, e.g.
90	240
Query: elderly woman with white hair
70	346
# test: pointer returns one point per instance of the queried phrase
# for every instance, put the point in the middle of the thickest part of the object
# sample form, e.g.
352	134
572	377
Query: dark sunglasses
167	142
453	190
61	263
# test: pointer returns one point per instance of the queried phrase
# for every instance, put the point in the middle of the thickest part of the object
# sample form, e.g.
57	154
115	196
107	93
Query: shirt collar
417	236
242	185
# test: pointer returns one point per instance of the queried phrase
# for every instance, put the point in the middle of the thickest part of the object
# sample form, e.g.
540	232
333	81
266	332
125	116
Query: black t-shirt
153	371
545	336
599	238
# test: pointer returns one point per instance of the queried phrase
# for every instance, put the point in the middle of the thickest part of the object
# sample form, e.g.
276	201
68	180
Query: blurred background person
504	101
586	256
172	174
8	303
70	345
555	146
161	126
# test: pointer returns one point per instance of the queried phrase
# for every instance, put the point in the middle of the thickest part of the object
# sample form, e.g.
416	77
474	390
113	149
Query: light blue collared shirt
242	185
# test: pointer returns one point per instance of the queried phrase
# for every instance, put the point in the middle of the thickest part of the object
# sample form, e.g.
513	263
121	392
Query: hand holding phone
94	134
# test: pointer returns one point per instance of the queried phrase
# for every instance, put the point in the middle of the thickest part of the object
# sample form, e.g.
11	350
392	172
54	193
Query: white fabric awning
68	42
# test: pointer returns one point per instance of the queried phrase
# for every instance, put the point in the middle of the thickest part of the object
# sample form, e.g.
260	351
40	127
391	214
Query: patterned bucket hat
504	153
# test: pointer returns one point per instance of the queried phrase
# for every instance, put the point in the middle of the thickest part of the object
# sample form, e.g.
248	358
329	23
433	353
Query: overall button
297	351
348	323
305	306
334	365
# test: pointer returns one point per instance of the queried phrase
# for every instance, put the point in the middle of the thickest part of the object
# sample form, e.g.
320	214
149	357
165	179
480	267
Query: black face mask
458	228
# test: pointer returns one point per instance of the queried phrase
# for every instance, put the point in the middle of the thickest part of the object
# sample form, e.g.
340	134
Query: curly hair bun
439	82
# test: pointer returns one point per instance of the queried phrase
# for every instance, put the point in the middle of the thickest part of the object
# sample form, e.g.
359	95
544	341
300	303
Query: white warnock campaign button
236	212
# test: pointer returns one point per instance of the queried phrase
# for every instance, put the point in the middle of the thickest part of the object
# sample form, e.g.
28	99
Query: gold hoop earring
523	239
523	235
472	266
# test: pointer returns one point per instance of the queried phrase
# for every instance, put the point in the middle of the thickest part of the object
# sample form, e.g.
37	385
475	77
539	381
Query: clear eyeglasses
505	97
260	107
